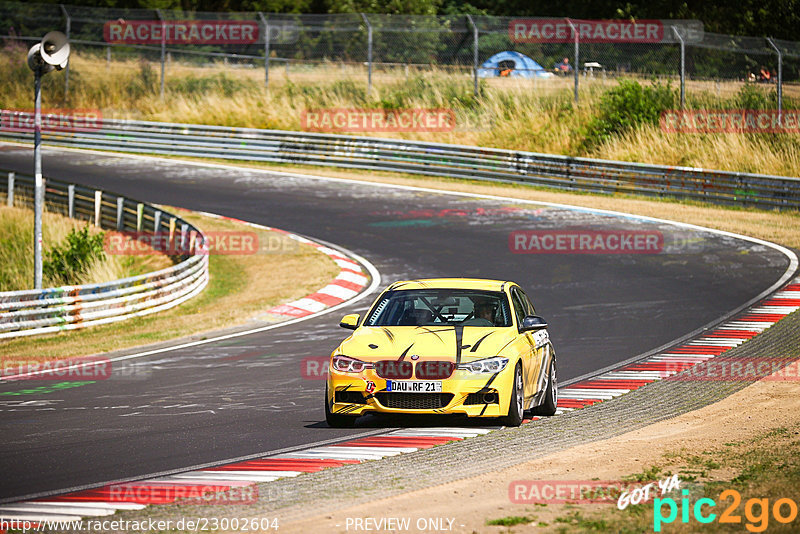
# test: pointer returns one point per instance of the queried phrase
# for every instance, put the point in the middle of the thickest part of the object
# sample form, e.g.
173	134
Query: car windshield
437	307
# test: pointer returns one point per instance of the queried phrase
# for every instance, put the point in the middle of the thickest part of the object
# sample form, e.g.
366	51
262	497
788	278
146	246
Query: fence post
120	213
139	216
266	48
369	53
576	68
71	201
683	65
474	55
10	197
68	28
163	49
780	79
98	204
157	222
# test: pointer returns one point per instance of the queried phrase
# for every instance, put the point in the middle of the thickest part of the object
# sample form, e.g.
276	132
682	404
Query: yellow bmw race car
444	346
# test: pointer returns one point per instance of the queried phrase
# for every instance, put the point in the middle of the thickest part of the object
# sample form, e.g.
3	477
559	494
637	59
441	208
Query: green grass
510	521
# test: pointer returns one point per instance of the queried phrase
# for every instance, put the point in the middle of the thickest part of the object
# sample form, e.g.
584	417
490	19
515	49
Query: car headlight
487	365
345	364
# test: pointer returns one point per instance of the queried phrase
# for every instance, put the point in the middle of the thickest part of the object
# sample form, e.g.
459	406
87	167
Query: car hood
371	343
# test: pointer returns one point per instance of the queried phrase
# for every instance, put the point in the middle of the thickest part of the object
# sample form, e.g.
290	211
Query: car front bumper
463	393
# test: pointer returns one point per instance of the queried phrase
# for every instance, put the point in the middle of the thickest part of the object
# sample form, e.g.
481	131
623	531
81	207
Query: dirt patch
737	421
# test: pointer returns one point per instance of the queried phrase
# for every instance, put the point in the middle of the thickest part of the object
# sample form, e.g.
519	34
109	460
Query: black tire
336	420
550	403
516	409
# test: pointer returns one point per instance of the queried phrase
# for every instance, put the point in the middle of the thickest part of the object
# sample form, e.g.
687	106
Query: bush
66	262
751	96
626	107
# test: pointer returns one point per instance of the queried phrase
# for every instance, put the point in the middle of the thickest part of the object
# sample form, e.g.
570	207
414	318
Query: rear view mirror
350	321
532	322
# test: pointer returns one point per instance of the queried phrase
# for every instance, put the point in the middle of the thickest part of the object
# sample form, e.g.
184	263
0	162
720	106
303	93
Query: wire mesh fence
553	54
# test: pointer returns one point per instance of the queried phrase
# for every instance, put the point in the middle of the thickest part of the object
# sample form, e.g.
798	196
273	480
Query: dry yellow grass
240	288
536	115
16	244
728	152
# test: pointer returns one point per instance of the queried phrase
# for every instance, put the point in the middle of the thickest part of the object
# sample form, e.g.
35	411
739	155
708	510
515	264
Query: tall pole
369	53
39	182
474	54
780	79
266	49
683	66
68	28
575	68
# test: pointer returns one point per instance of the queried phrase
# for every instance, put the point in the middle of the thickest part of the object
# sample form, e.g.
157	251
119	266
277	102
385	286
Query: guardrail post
576	69
780	80
171	232
120	213
139	216
369	53
68	27
10	197
474	56
683	65
266	49
184	232
71	201
98	204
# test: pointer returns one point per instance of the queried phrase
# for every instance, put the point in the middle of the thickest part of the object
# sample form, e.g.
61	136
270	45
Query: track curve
246	396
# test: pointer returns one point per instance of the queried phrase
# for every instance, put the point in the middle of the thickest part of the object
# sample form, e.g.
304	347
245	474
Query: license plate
414	386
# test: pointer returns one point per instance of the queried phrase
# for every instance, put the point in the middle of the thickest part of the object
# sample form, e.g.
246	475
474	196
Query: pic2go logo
756	511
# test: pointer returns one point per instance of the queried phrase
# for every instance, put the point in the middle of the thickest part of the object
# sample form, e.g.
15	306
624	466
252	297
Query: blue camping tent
520	65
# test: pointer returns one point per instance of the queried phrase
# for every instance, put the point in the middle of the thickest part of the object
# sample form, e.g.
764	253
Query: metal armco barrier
32	312
434	159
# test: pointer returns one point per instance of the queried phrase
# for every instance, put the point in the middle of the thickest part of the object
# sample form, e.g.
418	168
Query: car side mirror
532	323
350	321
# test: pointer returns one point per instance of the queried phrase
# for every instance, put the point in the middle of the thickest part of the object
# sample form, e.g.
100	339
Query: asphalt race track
247	396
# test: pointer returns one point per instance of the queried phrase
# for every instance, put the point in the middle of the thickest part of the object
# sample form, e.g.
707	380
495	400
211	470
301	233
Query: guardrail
433	159
41	311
